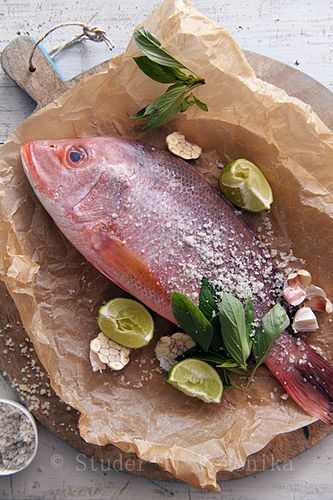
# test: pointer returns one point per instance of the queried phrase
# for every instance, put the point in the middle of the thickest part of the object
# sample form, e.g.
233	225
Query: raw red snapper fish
153	224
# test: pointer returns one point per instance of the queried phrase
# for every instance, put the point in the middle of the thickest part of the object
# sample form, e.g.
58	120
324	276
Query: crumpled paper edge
312	119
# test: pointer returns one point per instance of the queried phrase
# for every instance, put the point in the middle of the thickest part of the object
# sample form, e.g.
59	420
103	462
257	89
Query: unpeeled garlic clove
315	291
168	348
317	300
320	304
299	279
179	146
305	320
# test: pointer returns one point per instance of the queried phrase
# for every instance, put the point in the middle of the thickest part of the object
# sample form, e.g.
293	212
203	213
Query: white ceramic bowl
34	426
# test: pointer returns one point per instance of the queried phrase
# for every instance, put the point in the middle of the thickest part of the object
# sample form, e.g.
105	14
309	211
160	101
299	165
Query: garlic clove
320	304
295	287
305	320
294	296
179	146
301	278
169	348
315	291
317	300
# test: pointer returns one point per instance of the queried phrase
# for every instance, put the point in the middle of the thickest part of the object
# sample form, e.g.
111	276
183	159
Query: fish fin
116	255
304	374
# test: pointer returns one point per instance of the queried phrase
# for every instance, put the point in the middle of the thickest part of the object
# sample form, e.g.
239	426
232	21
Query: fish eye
76	155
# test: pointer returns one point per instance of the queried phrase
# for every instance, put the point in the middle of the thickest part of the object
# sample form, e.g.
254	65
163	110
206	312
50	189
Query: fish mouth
28	162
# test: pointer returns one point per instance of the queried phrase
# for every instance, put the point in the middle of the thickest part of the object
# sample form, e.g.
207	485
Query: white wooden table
294	31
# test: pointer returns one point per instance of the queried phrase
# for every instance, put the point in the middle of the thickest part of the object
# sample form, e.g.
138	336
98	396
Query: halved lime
197	379
245	186
126	322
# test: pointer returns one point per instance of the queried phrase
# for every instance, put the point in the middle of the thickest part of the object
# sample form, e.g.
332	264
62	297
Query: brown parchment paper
58	293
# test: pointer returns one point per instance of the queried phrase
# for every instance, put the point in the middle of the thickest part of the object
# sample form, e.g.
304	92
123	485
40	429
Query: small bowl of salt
18	437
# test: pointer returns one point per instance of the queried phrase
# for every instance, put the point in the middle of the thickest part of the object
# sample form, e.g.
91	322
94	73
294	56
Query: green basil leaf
151	47
186	104
217	340
273	324
163	108
228	382
208	299
139	114
233	328
211	357
244	372
249	318
208	305
155	71
160	117
193	352
218	360
228	363
200	104
192	320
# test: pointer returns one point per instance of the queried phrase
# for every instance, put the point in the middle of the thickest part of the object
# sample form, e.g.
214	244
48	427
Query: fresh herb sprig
162	67
224	331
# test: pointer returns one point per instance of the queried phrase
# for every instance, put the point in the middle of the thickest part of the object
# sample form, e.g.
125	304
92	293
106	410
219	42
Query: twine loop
93	33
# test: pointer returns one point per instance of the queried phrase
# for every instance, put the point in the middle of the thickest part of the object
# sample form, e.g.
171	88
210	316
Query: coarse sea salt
17	438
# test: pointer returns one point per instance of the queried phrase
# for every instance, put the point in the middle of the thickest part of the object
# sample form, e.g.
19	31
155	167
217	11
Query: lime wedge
245	186
197	379
126	322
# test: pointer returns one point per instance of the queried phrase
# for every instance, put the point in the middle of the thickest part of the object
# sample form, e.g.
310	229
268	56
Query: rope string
93	33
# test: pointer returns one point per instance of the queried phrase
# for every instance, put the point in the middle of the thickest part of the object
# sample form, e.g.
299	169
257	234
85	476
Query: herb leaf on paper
162	67
151	48
157	72
162	109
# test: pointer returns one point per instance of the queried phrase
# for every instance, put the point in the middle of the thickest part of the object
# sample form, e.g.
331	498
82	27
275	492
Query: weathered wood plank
287	30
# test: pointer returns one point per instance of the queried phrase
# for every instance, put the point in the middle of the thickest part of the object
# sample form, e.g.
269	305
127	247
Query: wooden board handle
45	83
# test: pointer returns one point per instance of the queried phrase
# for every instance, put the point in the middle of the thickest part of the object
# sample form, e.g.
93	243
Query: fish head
68	173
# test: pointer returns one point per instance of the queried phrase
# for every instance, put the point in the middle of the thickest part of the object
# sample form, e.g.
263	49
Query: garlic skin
179	146
305	320
96	364
169	348
315	291
104	352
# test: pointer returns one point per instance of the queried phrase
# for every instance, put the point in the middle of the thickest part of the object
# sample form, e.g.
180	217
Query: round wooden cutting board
18	360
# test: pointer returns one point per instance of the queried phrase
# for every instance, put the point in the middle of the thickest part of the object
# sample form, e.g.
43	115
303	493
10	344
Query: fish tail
304	374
